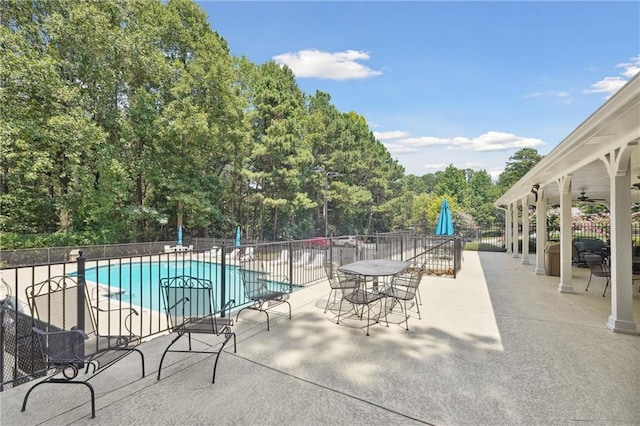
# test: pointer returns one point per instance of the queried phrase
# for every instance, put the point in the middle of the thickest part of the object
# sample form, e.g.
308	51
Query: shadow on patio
497	345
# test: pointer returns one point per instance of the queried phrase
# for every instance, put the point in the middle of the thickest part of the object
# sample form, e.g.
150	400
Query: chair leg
587	289
215	363
326	308
165	353
63	381
382	305
605	287
368	316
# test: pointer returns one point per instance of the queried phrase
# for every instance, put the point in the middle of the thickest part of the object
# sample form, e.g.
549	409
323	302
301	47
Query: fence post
223	279
290	266
80	296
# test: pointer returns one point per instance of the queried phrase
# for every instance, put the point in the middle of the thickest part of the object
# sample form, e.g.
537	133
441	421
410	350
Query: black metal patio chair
335	284
598	268
359	297
403	289
260	290
190	308
70	337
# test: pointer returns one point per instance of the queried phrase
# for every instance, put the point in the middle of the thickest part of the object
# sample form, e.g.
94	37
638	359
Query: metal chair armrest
115	308
43	333
59	347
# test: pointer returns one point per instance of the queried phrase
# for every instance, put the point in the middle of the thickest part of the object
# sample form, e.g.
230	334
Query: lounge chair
257	290
69	337
304	259
248	254
284	257
317	262
233	255
190	308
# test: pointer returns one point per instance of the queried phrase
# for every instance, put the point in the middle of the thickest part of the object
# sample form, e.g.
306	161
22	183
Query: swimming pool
139	283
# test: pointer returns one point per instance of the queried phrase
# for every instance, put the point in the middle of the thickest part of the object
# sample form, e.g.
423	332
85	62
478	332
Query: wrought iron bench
67	329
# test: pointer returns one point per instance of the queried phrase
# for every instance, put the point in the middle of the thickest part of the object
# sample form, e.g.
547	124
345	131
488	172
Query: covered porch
498	345
598	162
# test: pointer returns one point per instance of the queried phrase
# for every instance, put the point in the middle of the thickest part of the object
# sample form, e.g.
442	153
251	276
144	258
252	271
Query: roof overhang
616	124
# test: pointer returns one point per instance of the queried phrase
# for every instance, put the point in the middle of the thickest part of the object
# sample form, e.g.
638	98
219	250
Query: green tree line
121	120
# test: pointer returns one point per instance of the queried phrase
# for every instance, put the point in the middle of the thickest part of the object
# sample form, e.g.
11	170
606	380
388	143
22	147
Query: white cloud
564	97
630	68
395	134
399	149
438	166
610	85
490	141
472	165
329	65
495	174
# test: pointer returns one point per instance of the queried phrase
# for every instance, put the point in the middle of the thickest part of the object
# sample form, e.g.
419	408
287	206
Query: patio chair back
55	302
337	281
186	297
346	259
354	292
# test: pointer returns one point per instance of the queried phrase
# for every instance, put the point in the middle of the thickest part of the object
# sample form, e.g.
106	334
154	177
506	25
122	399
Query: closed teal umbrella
179	235
445	224
238	236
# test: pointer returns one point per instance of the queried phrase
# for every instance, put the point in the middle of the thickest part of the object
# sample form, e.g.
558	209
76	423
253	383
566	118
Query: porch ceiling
616	124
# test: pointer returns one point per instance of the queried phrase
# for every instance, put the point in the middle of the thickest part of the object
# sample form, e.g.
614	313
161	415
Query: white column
566	284
541	232
507	229
621	318
515	224
525	230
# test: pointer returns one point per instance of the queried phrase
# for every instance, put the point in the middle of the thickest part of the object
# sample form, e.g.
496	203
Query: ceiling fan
584	199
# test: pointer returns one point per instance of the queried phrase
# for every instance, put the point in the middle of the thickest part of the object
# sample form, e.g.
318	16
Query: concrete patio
499	345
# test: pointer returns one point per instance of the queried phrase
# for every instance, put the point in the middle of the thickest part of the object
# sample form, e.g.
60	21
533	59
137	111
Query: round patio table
375	267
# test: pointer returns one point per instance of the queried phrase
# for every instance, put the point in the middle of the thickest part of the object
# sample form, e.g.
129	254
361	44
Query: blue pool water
139	283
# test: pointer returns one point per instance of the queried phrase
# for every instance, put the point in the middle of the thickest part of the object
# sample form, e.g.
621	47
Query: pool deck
499	345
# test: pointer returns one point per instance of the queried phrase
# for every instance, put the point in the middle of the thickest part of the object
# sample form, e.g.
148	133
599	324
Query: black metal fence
492	238
132	280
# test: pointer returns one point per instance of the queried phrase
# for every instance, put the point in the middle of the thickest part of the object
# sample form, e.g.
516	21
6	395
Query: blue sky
439	83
